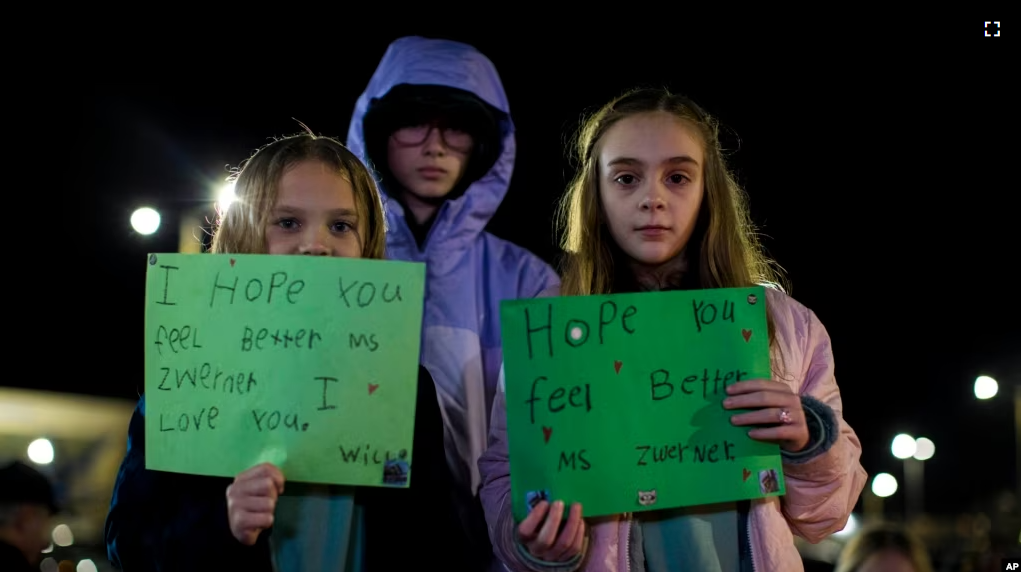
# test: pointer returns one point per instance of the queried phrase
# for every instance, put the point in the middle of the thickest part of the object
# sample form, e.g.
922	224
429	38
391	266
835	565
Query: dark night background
878	166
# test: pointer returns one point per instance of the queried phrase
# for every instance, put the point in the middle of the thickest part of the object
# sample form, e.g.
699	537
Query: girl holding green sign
301	195
653	207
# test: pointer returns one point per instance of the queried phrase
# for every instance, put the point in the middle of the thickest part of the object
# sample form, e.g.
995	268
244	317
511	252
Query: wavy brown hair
242	229
723	251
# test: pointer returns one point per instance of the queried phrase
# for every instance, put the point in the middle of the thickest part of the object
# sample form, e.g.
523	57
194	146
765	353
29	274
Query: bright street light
884	485
985	387
40	451
924	449
226	197
62	535
903	446
145	220
849	529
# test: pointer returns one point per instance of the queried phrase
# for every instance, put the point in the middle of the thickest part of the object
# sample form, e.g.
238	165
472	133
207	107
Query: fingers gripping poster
310	363
615	401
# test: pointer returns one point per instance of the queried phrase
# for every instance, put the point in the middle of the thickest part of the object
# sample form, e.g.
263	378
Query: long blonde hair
723	251
242	229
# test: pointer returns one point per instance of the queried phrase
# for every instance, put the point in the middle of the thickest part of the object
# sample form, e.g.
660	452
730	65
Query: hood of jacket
424	61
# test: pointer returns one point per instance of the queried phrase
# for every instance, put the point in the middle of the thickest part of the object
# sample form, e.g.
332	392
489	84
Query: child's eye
626	179
341	226
678	178
287	223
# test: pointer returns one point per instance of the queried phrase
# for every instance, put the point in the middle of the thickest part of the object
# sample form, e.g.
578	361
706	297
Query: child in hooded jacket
434	123
653	207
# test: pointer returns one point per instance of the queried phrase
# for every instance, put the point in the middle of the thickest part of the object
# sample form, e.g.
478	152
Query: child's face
651	186
428	161
315	214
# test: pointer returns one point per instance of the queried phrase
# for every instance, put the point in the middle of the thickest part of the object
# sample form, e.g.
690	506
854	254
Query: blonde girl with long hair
308	196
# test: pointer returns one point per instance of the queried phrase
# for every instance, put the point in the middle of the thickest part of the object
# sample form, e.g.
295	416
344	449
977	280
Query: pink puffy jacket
821	493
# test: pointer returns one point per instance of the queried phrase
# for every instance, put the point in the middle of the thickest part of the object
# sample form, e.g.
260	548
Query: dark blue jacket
160	521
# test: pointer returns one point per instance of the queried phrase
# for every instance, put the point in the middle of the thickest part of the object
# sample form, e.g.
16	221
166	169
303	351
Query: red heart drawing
616	365
746	473
373	387
747	334
232	261
546	432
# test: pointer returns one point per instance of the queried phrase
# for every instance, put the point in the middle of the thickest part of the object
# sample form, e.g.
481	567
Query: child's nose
654	199
315	244
316	250
434	142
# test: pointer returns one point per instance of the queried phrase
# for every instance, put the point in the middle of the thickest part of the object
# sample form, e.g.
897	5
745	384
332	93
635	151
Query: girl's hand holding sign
539	532
251	500
778	407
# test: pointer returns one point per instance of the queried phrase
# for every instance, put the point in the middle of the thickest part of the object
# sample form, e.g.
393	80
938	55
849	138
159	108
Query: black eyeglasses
454	139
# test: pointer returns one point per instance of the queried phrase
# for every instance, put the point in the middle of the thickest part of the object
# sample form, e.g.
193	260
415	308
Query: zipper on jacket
627	543
748	535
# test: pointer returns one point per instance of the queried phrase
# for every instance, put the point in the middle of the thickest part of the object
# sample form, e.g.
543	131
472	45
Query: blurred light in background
226	197
904	446
884	485
87	566
40	451
48	549
849	529
924	449
145	220
985	387
62	535
48	565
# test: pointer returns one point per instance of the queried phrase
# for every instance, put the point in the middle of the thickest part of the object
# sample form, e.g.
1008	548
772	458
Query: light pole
924	450
189	237
914	452
986	388
883	485
195	221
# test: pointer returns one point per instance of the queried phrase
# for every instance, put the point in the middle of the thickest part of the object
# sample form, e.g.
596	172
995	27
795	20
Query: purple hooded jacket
468	270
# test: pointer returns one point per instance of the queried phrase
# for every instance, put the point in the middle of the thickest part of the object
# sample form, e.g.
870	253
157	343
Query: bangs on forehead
436	115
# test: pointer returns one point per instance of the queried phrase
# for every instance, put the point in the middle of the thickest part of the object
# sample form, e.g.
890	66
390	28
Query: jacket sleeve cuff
822	431
544	566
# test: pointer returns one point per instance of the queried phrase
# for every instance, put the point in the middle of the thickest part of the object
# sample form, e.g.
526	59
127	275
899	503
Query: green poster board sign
310	363
616	401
